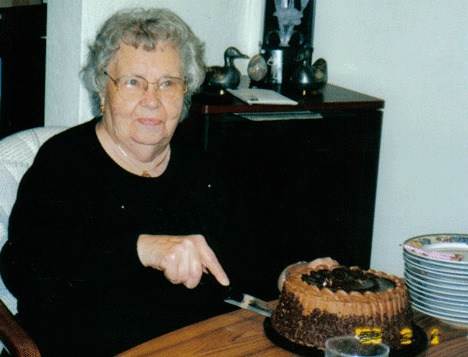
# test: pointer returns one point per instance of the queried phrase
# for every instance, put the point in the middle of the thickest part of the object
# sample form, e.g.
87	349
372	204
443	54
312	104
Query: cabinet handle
269	116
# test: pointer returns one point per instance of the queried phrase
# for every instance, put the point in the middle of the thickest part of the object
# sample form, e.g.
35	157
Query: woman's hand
327	262
183	259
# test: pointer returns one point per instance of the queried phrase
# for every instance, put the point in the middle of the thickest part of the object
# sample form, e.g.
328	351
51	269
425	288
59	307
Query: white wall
413	54
63	61
410	53
72	25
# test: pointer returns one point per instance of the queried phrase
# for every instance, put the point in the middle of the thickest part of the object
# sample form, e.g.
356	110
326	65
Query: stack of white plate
436	273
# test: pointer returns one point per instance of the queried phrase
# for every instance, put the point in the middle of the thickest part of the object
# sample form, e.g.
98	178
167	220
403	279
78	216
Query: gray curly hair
146	28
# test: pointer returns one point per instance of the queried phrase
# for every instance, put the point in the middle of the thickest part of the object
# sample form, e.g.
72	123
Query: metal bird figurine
218	77
308	77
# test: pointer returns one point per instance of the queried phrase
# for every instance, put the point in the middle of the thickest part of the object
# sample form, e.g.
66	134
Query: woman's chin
152	132
152	138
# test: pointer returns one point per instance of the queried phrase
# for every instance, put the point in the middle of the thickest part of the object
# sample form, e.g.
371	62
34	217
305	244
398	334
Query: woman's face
152	118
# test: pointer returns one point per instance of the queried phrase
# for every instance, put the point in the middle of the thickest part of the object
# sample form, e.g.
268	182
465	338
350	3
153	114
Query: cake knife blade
249	302
235	297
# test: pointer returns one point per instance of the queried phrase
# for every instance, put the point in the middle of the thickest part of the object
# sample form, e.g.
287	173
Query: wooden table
241	333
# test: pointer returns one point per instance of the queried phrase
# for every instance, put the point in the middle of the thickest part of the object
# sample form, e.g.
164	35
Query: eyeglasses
134	87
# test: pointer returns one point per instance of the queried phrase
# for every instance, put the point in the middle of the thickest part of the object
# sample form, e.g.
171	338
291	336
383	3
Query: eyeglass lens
134	87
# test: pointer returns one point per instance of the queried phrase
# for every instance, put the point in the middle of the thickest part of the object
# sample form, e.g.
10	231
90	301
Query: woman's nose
152	97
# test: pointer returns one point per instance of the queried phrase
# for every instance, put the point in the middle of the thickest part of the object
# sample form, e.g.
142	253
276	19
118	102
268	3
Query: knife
237	298
249	302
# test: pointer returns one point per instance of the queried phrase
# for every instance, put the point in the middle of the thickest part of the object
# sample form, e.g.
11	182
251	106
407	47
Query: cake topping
343	278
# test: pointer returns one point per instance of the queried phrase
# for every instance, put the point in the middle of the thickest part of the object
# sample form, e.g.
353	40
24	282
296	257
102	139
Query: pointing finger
210	261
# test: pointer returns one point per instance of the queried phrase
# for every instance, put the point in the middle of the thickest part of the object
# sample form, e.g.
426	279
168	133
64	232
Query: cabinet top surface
330	97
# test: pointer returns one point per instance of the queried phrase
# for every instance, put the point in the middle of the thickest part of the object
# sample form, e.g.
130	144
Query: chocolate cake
319	303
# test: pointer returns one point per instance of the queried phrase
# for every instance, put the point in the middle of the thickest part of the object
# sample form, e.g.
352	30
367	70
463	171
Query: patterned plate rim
435	264
428	239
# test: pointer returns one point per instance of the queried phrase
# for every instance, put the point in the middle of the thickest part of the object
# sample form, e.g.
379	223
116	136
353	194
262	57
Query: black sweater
71	257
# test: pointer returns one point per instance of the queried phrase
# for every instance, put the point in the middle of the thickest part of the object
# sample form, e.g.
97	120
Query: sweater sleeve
59	250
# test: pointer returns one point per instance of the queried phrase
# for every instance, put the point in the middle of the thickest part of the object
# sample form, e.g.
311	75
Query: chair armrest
14	337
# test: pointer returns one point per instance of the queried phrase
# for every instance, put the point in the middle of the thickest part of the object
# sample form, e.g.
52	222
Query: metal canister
280	63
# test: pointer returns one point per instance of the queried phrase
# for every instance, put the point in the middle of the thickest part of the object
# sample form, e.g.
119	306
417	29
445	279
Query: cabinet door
303	189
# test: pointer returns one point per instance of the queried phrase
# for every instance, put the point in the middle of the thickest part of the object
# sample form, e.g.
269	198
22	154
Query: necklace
144	173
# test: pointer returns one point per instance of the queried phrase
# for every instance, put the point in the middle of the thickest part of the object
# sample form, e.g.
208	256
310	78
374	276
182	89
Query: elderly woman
114	225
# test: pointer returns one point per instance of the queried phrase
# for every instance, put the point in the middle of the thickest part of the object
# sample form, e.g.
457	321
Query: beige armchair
17	153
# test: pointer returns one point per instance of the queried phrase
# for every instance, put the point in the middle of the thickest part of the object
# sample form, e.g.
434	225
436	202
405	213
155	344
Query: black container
282	60
280	63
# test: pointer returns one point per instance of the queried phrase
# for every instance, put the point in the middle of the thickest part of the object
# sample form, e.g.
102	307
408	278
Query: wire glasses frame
134	87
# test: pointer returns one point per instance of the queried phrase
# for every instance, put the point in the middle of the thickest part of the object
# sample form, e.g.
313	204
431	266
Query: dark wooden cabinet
302	188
